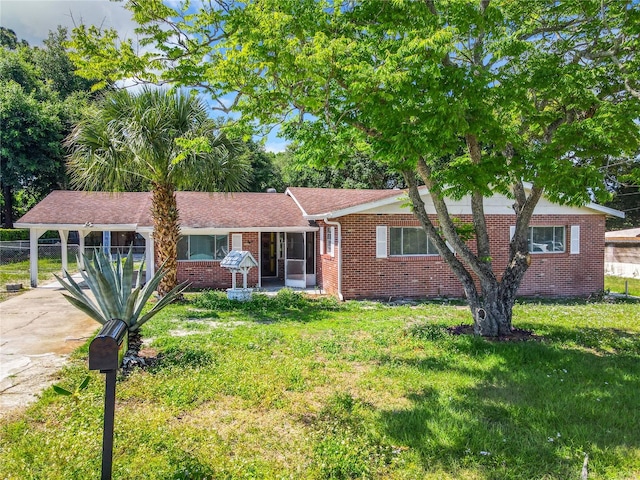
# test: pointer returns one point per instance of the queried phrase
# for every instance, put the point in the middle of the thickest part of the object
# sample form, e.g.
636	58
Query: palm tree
154	140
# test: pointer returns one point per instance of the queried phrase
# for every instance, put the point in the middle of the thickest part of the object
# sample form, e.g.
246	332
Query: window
410	241
546	239
203	247
331	231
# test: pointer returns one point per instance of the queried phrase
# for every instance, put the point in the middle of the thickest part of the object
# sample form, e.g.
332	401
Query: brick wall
209	274
365	276
550	274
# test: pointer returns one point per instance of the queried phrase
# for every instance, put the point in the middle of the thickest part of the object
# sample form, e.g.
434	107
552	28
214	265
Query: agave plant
115	294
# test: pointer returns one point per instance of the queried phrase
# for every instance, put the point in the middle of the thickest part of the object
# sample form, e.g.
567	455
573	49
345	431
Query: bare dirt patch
517	334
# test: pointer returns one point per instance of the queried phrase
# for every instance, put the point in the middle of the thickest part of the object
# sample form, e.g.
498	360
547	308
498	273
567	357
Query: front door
269	254
295	261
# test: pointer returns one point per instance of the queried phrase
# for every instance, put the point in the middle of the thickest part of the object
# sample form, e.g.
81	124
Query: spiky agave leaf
81	300
91	276
111	284
173	294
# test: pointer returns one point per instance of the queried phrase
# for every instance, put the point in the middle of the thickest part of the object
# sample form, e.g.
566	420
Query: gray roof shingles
197	209
317	201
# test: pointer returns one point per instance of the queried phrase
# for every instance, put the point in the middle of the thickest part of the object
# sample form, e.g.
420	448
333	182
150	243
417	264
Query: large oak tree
471	98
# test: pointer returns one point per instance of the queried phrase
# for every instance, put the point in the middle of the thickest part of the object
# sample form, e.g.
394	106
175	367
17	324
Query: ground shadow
536	411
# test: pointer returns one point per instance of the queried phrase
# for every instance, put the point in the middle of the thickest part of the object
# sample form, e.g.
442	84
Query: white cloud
275	146
33	19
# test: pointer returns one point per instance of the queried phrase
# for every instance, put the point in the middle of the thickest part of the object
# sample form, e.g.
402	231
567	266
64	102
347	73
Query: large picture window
546	239
203	247
410	241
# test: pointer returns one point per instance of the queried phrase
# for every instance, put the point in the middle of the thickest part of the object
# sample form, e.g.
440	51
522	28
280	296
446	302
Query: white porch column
149	252
64	237
34	235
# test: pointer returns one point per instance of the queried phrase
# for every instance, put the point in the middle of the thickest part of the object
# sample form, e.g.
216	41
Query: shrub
13	234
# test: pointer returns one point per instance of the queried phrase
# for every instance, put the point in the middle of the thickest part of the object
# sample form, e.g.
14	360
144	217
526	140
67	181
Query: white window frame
188	237
544	248
429	242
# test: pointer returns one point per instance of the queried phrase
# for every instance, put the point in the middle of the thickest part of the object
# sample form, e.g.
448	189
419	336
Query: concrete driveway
38	331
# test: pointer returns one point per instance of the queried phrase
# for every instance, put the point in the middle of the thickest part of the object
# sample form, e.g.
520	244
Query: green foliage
264	174
155	137
40	96
474	97
287	301
428	331
116	296
75	394
8	234
356	171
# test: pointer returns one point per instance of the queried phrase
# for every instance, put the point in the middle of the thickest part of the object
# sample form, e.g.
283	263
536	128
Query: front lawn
314	389
18	272
617	285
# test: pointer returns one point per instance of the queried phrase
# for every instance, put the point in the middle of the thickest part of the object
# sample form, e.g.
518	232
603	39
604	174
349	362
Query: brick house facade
349	243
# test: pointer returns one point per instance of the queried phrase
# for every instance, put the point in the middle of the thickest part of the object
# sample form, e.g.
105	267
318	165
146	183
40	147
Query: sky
32	20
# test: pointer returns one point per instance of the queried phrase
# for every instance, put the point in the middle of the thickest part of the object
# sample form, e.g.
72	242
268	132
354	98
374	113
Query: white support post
64	238
149	261
81	250
34	235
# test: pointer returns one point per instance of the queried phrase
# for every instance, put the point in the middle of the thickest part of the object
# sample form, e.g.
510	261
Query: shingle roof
317	201
197	209
63	207
237	210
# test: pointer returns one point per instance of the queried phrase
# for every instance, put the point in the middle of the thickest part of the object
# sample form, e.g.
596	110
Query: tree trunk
491	305
7	195
493	312
164	210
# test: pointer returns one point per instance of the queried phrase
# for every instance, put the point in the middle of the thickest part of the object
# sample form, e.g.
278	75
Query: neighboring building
622	253
350	243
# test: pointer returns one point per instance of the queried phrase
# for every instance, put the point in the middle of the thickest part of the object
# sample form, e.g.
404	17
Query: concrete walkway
38	331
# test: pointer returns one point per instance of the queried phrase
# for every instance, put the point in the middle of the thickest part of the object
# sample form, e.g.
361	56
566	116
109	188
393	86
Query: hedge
13	234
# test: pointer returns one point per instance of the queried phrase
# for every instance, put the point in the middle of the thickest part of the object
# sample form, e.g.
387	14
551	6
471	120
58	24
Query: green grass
314	389
18	272
617	285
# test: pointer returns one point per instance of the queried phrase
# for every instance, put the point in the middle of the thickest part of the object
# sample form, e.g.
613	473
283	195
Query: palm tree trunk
164	210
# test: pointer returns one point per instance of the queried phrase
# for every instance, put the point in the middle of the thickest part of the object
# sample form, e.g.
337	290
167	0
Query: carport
119	212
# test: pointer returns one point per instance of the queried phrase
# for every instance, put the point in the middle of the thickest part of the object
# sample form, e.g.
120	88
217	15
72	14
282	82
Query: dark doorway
269	254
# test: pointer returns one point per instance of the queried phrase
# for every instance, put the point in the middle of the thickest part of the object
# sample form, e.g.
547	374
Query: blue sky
33	19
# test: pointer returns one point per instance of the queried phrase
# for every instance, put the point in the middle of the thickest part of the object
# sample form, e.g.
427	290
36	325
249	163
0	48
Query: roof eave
79	226
391	199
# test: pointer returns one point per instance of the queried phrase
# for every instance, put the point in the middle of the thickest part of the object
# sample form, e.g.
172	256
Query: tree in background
9	39
40	100
31	135
162	139
474	98
263	172
624	179
357	171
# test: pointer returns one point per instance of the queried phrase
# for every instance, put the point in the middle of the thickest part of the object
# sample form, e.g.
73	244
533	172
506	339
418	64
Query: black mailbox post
104	355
